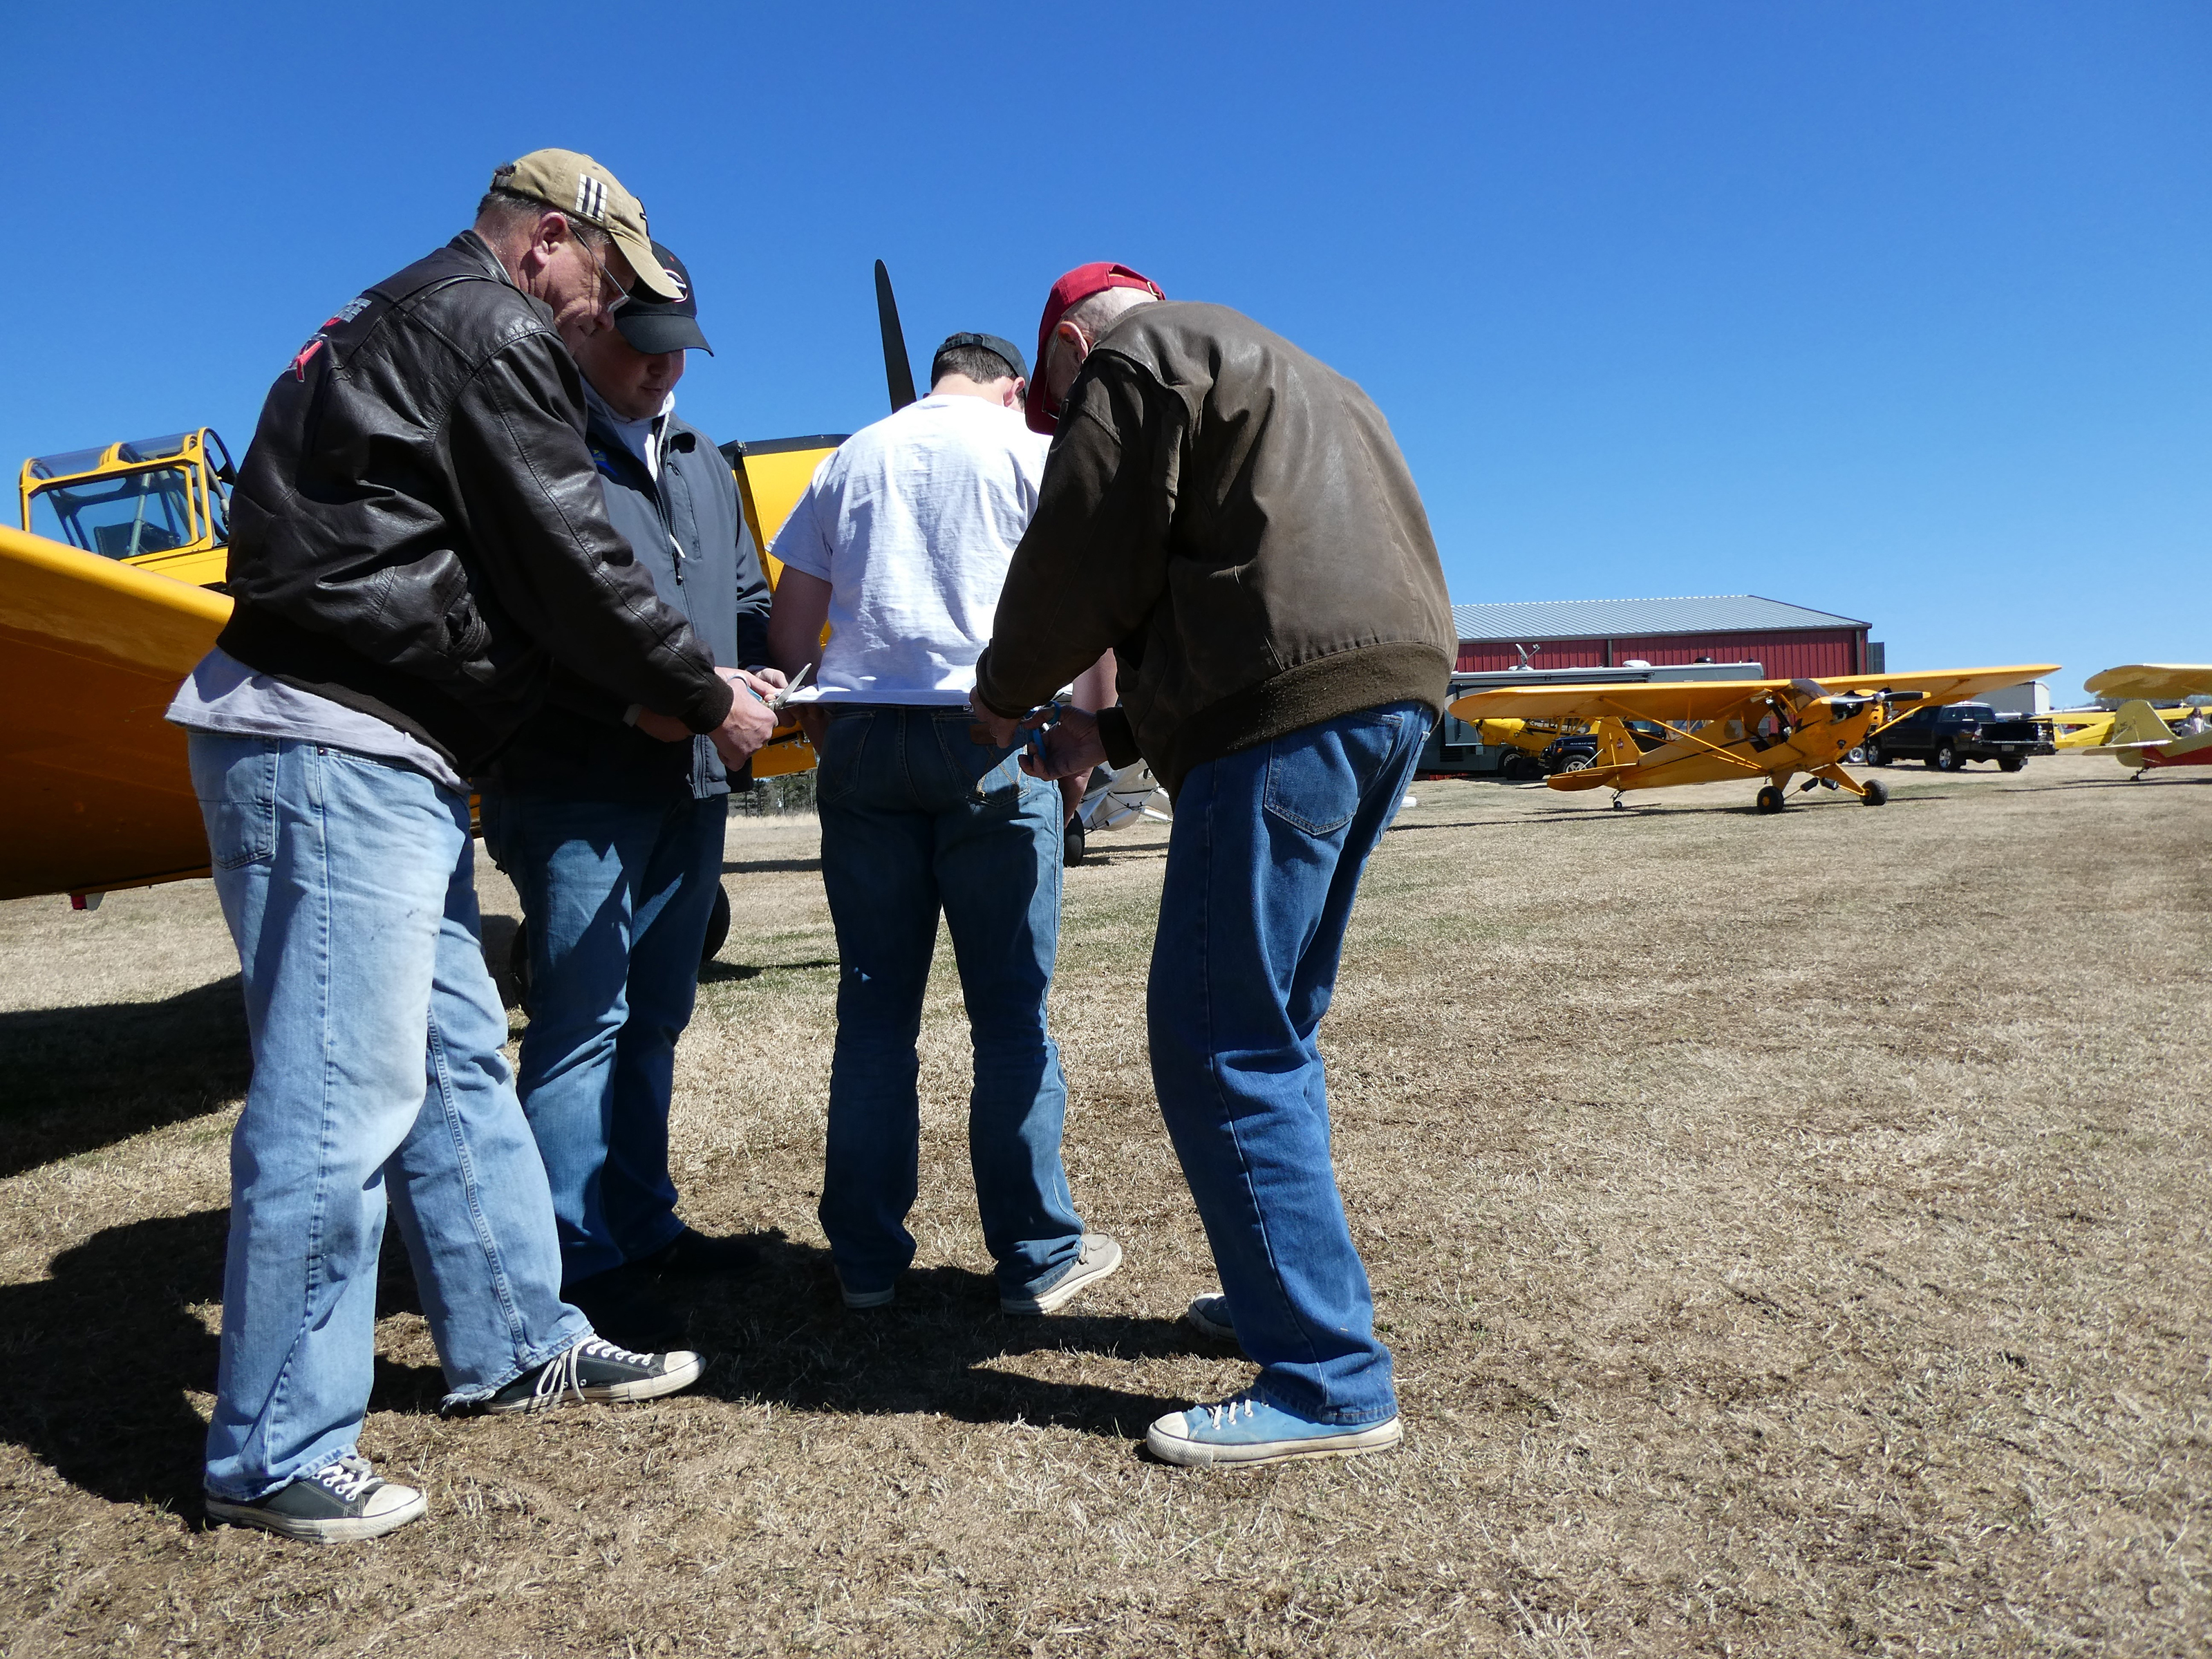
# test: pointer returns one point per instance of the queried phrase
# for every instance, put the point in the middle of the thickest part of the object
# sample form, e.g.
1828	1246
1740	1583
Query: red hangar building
1790	641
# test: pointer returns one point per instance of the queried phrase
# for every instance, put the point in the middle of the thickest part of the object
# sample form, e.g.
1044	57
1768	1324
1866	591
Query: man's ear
1016	394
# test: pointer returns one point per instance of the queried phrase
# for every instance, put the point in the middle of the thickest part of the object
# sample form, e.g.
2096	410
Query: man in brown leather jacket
1232	518
419	538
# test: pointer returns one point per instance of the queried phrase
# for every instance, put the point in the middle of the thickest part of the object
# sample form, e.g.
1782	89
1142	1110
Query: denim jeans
348	885
917	819
1263	862
618	895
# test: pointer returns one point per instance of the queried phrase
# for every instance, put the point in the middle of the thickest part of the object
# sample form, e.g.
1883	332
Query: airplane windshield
119	517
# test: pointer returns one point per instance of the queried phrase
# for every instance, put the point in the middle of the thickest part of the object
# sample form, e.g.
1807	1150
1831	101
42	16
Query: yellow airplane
1714	729
2139	739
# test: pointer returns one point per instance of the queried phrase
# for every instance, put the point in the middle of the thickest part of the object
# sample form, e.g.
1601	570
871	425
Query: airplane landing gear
1619	804
1876	792
1771	798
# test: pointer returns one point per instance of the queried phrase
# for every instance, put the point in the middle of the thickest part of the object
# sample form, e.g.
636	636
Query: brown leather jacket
1231	518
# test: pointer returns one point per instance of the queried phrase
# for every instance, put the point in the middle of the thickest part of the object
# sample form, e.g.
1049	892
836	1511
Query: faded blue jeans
617	893
917	820
1263	863
348	885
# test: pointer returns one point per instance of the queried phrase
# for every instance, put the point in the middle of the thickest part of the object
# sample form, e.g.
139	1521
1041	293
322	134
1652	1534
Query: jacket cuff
712	708
1119	736
982	696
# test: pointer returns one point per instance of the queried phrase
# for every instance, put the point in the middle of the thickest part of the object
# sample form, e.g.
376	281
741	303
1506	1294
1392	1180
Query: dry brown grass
1792	1234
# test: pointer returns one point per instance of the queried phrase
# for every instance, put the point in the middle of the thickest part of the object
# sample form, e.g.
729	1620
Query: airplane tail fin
2138	722
1615	747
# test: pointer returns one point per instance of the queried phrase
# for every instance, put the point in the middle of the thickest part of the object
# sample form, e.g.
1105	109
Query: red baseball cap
1079	285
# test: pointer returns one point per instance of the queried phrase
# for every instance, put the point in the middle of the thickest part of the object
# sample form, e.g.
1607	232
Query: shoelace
347	1479
1224	1415
559	1378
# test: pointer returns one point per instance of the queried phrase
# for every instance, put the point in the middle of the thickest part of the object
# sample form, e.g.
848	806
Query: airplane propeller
898	368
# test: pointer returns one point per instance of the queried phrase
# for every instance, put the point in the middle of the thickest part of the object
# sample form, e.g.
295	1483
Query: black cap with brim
1005	350
653	326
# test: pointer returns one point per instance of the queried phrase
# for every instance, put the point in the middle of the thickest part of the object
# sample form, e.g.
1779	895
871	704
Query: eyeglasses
622	293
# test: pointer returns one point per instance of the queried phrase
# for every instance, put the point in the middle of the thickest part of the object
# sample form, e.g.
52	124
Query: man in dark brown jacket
1232	519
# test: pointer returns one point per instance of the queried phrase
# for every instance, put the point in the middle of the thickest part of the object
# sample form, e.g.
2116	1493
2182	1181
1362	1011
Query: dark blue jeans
618	895
917	820
1263	864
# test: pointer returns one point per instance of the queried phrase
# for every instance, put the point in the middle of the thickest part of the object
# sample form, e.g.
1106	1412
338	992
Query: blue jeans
618	895
1263	862
916	820
348	887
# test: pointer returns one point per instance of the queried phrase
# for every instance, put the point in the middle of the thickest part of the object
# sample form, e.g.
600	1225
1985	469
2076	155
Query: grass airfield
1792	1232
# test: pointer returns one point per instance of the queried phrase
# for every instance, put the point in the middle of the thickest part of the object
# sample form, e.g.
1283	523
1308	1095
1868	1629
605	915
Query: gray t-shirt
224	695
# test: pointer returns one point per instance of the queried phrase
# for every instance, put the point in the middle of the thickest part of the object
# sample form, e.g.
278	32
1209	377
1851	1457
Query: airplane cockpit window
120	516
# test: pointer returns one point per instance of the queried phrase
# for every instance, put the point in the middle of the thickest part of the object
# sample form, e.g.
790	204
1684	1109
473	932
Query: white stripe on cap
590	197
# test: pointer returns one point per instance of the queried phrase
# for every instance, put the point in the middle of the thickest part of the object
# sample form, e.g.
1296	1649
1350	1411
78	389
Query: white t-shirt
913	523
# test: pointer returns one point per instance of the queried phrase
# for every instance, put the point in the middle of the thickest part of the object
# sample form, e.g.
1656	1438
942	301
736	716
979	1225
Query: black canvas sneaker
340	1503
596	1372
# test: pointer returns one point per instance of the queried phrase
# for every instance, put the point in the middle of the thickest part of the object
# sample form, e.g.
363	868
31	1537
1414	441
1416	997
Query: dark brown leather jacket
1232	518
418	531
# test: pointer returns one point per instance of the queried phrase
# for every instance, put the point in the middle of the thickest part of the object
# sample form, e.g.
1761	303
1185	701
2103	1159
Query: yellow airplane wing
97	793
2153	682
1673	700
1944	684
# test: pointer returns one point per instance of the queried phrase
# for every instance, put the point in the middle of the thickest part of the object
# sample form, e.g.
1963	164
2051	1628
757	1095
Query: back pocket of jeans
242	820
1311	785
837	766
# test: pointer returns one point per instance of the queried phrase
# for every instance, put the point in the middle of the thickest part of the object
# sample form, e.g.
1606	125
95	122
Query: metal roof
1576	619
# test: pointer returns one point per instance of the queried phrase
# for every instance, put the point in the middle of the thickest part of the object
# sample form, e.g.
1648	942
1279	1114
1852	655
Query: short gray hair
1095	313
512	214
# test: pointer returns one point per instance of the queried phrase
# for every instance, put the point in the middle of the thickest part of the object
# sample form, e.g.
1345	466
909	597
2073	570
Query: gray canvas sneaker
1100	1256
340	1503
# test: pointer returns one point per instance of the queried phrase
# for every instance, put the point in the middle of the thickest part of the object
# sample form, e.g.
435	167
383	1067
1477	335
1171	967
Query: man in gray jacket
614	841
1233	521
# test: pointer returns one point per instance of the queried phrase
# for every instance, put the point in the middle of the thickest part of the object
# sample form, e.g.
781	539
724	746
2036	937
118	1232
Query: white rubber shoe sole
1171	1440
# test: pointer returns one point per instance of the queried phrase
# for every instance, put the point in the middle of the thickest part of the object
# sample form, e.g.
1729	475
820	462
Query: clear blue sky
1898	310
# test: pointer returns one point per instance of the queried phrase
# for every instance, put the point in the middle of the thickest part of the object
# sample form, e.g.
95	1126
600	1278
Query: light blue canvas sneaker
1246	1430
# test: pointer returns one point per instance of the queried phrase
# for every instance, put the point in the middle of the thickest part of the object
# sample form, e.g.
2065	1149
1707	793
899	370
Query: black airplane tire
718	926
1071	850
2011	762
1877	792
1772	800
1946	758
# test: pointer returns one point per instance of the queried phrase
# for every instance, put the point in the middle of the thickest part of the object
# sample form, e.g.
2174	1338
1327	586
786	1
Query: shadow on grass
768	866
80	1079
715	973
785	1336
107	1348
104	1350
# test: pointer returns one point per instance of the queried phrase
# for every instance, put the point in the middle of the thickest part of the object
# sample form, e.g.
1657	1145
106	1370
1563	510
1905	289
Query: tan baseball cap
577	185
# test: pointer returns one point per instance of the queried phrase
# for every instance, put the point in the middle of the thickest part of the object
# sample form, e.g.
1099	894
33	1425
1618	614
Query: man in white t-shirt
900	543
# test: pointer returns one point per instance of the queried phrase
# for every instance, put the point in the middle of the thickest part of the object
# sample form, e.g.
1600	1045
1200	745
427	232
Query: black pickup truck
1948	737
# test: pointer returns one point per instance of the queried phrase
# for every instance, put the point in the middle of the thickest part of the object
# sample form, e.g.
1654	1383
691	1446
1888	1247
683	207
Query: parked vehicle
1948	737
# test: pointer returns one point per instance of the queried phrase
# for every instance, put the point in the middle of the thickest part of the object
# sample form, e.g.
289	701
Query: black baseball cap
653	325
991	342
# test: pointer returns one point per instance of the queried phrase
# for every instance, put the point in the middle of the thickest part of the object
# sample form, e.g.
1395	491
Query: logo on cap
590	197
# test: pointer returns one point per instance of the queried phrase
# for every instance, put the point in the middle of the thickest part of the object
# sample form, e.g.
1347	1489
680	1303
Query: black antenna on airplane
898	370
